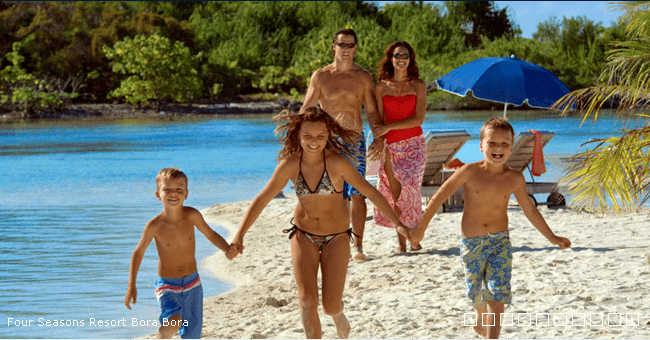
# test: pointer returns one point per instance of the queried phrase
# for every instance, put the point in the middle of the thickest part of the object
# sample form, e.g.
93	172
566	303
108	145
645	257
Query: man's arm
313	92
374	118
369	102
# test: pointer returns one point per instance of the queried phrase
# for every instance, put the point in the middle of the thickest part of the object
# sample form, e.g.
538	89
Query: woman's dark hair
386	69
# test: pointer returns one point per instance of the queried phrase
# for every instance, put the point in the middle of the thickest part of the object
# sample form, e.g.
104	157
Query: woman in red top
401	102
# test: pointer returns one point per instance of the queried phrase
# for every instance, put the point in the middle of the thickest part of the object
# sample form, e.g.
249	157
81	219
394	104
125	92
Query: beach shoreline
169	112
556	293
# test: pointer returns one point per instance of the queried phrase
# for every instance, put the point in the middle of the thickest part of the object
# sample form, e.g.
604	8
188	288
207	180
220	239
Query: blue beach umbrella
506	80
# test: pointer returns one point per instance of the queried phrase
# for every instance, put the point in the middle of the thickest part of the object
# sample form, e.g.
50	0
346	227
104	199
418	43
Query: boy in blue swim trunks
486	252
178	287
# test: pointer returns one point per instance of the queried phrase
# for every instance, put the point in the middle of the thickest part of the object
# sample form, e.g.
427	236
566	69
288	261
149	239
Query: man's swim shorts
357	157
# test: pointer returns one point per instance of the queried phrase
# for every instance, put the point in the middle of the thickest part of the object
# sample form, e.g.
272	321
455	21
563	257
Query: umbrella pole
505	108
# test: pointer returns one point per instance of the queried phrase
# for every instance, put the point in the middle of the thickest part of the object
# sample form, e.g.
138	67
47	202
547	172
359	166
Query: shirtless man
341	88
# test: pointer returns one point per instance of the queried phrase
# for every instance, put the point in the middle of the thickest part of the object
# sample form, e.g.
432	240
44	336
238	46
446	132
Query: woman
320	232
401	101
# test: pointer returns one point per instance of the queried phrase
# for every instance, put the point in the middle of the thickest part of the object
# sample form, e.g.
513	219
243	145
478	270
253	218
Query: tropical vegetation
616	170
67	51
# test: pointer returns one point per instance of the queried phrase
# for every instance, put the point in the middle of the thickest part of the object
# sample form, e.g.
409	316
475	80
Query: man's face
344	47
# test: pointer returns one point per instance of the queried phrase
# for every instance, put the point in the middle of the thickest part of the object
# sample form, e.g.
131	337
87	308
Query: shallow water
74	200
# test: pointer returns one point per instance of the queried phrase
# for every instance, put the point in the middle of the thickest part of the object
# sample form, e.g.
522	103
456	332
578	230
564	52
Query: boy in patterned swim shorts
178	287
486	252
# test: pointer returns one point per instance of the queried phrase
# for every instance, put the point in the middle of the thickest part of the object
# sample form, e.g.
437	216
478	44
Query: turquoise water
74	200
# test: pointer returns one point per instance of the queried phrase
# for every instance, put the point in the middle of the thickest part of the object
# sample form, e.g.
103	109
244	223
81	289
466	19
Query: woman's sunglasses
401	56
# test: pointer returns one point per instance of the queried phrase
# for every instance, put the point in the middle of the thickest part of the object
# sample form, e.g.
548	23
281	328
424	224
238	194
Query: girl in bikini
401	102
320	232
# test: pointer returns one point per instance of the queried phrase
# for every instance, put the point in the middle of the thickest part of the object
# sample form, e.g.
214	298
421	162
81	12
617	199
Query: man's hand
376	149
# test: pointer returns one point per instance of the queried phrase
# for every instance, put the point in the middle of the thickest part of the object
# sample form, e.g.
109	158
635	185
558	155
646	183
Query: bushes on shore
224	50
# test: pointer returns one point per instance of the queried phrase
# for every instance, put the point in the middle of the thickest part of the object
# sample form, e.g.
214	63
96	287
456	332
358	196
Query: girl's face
313	136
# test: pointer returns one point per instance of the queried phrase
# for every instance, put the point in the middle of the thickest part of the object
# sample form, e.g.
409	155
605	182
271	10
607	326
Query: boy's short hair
169	173
497	123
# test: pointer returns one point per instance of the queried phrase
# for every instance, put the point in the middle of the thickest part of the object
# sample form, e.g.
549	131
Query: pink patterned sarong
409	158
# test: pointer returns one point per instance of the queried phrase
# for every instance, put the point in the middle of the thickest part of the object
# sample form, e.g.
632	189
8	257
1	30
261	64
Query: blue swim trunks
184	297
358	158
488	268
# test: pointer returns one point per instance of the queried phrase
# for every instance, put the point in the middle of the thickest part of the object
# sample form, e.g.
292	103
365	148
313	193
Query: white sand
603	278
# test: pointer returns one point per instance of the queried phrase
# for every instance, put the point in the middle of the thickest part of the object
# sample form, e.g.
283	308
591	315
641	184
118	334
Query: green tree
616	168
480	19
158	69
29	93
575	49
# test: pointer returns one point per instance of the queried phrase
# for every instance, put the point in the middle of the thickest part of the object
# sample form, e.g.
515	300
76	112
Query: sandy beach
597	289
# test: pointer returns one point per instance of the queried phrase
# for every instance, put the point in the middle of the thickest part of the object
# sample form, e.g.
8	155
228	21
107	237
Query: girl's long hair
289	129
386	68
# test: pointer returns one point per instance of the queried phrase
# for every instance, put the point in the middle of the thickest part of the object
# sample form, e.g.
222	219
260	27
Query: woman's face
401	58
313	136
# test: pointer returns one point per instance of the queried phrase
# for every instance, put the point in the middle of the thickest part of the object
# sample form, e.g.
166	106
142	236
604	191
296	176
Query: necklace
399	93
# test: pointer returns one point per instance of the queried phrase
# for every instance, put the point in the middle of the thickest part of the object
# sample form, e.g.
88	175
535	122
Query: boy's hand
562	242
131	294
232	252
417	233
238	248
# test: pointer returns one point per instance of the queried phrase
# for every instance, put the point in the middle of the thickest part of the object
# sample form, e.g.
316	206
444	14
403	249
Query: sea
75	196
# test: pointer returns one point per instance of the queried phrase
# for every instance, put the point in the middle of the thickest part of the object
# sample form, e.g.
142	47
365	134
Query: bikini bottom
318	240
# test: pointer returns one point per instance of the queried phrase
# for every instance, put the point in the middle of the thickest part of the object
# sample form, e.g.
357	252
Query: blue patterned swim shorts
488	268
358	158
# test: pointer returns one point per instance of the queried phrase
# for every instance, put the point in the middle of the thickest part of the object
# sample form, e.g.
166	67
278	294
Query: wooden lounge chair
521	158
442	145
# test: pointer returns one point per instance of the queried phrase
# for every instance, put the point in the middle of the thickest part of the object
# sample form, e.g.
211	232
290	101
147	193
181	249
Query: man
341	88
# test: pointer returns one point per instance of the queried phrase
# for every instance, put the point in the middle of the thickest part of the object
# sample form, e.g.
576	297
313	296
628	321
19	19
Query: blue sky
528	14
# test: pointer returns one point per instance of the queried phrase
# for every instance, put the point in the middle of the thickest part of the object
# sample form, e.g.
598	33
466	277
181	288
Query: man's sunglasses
344	45
401	56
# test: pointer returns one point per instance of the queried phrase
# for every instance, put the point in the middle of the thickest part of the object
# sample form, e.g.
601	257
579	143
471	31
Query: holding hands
234	249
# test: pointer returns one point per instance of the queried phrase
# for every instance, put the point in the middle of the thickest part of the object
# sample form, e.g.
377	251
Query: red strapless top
400	108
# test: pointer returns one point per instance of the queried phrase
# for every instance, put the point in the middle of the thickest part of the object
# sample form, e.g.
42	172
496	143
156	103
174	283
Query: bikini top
400	108
324	187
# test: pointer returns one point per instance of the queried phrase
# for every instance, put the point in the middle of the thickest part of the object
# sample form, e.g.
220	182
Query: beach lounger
521	158
442	145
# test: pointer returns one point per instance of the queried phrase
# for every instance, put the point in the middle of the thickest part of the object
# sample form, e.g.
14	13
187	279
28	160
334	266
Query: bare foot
358	254
416	246
400	249
342	326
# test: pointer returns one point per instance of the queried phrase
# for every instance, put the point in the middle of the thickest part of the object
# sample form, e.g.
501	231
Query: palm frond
615	171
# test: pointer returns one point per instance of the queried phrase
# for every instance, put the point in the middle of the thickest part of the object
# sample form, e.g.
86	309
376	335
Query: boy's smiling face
172	191
496	146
